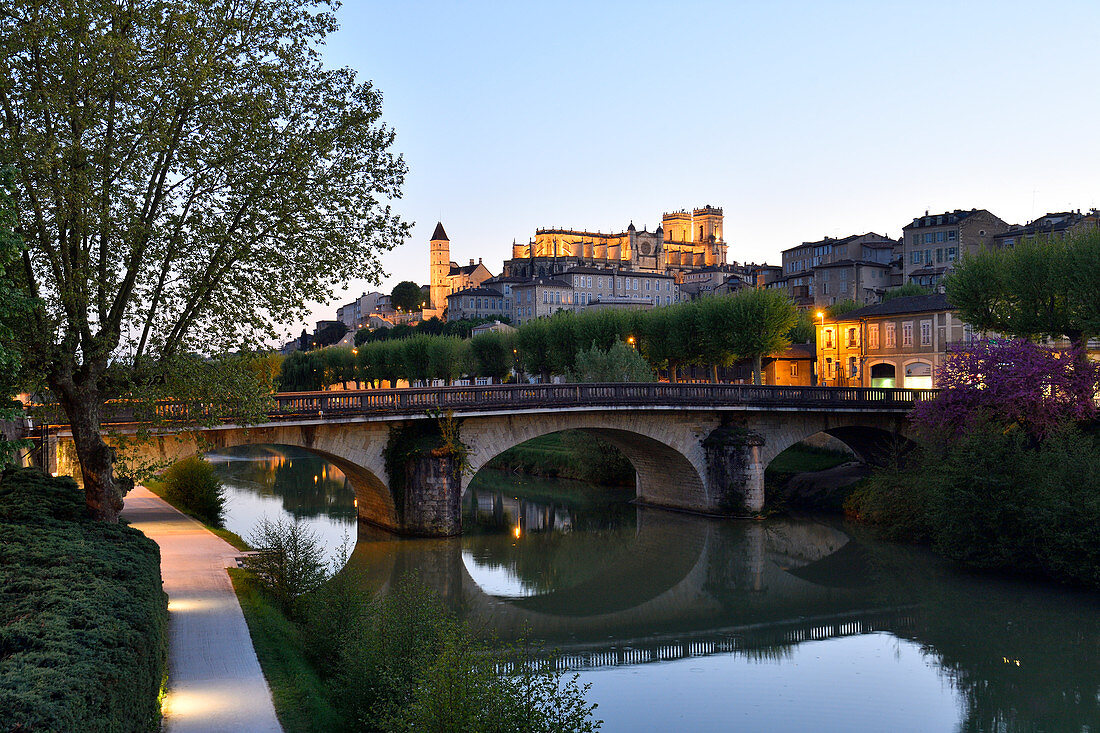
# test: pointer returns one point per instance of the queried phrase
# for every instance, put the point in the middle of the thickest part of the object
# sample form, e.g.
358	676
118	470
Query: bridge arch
363	469
668	463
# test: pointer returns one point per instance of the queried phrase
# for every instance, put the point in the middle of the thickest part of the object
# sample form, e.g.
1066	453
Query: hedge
83	618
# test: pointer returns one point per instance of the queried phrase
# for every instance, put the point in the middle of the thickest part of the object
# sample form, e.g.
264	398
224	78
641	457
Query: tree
759	323
907	290
1015	384
713	337
533	342
184	171
620	363
15	307
1042	287
803	331
406	296
447	357
492	354
839	308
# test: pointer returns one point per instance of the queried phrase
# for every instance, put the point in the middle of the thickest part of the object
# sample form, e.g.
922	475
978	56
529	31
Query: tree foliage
907	290
406	296
1042	287
1013	383
619	363
15	307
759	323
187	173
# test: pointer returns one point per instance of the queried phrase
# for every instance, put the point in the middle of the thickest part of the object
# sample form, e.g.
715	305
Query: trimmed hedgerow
83	618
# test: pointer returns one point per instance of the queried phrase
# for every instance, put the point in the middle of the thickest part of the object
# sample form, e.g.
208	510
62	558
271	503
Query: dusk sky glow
800	119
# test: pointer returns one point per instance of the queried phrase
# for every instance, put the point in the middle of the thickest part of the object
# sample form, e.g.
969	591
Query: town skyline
598	116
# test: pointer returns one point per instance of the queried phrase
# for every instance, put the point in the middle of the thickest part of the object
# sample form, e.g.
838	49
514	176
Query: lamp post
820	346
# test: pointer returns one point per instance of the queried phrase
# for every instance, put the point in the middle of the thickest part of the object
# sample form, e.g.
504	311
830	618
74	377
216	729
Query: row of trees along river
709	332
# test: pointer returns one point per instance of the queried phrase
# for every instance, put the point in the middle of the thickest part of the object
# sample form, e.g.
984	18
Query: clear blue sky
801	119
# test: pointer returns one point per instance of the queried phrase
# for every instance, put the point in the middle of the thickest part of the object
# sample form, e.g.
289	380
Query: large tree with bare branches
188	174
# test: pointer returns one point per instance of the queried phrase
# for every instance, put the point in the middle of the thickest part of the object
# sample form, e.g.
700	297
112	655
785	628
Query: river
687	623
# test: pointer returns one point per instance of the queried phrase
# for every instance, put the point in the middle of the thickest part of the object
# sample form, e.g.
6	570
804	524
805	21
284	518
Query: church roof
439	233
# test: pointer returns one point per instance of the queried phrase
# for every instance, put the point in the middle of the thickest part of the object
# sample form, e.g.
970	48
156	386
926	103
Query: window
939	236
852	340
928	257
926	333
828	338
952	235
928	238
939	255
890	335
907	334
599	283
794	368
915	258
647	285
853	366
636	283
950	254
872	336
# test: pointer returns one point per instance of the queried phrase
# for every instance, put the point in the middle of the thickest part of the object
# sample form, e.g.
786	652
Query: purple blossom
1012	383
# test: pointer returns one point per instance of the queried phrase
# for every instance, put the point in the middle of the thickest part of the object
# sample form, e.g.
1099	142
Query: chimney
471	261
479	260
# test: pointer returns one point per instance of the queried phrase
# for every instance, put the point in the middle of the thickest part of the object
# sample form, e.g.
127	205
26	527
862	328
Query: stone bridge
694	447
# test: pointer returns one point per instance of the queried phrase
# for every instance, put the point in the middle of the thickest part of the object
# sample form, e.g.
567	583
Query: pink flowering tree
1010	383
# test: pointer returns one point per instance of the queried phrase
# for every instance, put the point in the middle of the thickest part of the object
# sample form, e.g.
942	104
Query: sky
800	119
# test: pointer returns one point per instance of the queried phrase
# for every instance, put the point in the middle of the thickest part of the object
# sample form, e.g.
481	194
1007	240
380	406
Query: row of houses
862	267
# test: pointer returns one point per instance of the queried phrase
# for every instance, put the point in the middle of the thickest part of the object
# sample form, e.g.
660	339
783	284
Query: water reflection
688	623
283	481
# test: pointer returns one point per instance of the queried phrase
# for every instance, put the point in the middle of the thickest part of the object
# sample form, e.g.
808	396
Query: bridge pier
432	501
735	470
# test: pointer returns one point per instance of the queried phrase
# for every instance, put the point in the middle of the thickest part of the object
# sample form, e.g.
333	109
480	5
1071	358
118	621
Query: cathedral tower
440	259
707	231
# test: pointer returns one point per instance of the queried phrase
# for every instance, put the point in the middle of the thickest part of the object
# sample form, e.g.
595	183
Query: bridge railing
505	397
520	396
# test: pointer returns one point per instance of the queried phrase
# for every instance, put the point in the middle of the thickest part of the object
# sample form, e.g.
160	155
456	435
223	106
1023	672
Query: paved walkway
214	679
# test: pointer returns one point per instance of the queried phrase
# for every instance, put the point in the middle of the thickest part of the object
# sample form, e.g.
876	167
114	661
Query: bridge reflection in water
658	586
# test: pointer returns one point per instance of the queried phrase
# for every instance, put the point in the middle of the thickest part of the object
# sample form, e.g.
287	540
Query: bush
288	561
193	485
407	665
1001	500
83	619
620	363
996	498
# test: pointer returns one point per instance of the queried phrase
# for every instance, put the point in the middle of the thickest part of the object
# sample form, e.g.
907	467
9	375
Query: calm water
685	623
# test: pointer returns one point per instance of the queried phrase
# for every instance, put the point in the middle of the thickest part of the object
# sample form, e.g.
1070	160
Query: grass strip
157	487
298	693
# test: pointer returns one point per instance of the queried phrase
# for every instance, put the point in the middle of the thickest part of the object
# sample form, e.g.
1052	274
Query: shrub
407	665
83	619
620	363
288	562
192	484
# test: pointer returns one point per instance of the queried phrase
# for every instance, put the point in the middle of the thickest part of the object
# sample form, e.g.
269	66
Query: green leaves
1040	288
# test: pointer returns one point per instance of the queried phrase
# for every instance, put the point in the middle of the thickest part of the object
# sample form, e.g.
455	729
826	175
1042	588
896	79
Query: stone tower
707	231
440	259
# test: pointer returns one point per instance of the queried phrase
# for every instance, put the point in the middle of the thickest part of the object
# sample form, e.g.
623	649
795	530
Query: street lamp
630	340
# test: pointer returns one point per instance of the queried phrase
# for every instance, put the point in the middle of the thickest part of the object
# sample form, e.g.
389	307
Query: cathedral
684	241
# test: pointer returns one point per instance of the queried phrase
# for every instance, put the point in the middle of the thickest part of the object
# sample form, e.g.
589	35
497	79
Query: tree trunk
673	366
714	373
102	492
757	370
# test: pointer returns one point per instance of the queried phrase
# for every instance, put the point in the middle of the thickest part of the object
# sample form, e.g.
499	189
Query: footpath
214	679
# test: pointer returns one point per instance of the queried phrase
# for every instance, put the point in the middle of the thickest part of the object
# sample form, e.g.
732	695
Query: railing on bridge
524	396
508	397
